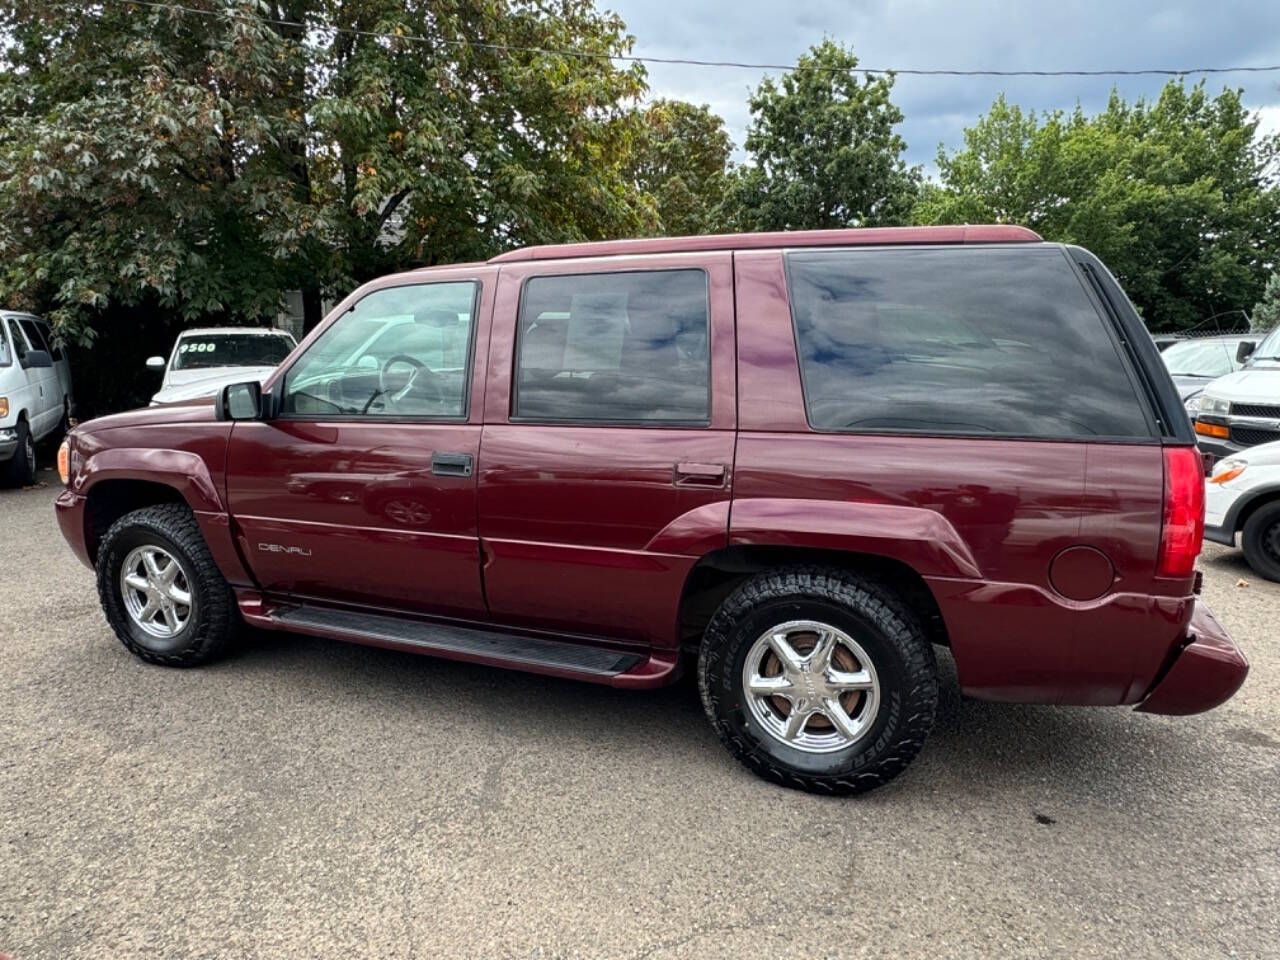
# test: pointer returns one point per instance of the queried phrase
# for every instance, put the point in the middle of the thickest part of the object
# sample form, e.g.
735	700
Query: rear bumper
1205	673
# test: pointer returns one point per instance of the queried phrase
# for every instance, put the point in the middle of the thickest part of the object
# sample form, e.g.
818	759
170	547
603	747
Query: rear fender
920	538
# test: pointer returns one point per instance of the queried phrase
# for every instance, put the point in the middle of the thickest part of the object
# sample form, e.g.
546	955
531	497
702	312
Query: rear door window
625	347
977	341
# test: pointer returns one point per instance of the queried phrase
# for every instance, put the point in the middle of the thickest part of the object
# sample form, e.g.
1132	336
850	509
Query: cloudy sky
961	34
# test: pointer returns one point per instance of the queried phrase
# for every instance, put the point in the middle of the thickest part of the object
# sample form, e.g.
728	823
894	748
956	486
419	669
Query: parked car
206	359
35	393
1242	409
801	459
1194	364
1243	497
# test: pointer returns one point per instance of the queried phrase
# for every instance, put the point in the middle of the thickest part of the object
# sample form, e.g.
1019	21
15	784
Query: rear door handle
451	464
700	474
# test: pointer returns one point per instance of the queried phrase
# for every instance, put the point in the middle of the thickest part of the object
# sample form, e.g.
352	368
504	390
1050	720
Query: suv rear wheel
818	679
161	591
1261	540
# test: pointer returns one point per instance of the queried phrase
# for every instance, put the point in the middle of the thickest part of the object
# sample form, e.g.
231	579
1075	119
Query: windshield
231	350
1269	349
6	358
1200	358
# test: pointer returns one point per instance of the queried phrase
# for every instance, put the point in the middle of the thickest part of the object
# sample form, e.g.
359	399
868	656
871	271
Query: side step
536	654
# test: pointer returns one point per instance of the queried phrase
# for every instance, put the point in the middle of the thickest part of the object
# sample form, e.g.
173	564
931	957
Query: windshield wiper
1188	373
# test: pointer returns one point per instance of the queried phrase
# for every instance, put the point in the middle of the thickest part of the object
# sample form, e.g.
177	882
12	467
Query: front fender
186	472
921	538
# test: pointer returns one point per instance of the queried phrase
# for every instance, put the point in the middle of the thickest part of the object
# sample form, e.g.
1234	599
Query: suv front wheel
818	679
161	590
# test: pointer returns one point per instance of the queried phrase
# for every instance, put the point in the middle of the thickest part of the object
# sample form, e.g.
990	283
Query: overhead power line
681	61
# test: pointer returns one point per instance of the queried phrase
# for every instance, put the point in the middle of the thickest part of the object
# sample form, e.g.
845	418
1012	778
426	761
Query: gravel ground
312	799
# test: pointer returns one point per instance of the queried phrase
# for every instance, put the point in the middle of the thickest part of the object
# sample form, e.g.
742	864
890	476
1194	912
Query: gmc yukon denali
800	461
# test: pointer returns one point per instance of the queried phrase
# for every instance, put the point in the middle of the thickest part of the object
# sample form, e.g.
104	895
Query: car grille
1251	437
1255	410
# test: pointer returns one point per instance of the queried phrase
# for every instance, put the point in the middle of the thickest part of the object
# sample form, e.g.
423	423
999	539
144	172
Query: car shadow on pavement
975	745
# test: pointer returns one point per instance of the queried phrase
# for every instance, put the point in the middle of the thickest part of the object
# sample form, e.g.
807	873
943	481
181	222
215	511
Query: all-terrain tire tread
218	617
872	600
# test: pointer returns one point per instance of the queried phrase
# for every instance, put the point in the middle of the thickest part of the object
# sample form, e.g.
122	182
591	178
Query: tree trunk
312	309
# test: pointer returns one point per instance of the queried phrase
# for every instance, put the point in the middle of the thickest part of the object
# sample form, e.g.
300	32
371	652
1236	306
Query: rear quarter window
977	341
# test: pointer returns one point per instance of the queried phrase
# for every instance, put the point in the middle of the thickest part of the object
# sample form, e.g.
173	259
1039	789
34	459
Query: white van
35	393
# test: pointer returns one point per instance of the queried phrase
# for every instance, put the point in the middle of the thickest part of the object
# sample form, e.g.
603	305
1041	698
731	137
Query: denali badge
281	548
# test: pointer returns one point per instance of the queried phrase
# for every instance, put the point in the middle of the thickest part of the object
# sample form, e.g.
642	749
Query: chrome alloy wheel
811	686
156	591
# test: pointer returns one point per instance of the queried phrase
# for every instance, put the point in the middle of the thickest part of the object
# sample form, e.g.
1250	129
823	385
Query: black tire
890	635
20	471
1261	540
213	618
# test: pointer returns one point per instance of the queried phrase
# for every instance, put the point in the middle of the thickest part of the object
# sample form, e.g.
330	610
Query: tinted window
614	347
399	352
231	350
978	341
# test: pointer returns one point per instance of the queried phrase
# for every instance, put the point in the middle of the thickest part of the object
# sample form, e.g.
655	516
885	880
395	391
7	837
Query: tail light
1183	527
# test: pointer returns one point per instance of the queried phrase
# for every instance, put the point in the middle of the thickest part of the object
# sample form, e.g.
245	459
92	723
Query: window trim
647	423
1152	438
477	286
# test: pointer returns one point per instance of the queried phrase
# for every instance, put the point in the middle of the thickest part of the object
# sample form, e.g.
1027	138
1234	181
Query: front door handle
700	474
451	464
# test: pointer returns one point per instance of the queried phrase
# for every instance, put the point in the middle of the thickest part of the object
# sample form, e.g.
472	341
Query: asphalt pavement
312	799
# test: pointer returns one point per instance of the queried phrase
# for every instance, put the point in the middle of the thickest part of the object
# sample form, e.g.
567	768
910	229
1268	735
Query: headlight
1213	405
1227	470
1193	403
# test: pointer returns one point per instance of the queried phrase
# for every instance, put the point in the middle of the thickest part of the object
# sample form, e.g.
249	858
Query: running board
536	654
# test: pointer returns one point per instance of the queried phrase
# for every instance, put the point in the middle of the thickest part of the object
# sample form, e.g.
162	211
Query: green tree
1266	312
681	159
1178	196
200	165
824	150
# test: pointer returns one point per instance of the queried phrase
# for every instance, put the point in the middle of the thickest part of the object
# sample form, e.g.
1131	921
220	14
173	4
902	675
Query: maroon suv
803	458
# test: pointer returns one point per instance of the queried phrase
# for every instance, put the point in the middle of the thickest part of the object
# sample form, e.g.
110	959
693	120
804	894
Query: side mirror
1244	351
36	359
155	363
240	401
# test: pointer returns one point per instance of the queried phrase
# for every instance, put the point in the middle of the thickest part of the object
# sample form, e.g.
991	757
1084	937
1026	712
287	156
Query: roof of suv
991	233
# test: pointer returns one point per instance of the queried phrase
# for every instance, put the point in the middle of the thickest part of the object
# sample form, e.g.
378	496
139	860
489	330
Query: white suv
35	393
1243	496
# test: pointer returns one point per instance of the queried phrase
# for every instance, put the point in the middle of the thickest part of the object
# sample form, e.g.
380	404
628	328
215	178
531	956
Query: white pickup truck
1241	410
